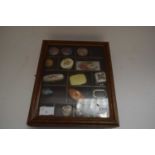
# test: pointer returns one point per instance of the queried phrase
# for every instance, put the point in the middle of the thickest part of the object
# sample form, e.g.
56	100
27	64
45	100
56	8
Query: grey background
133	60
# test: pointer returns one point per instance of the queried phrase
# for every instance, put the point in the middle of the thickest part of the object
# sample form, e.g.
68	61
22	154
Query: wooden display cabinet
74	86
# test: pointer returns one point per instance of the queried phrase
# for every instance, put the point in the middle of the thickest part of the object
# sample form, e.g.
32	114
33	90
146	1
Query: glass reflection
91	107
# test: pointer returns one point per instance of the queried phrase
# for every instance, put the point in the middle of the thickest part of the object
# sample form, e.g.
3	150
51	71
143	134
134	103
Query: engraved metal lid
82	51
66	51
53	51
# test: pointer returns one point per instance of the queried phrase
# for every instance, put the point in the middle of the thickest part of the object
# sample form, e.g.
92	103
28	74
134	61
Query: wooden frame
49	108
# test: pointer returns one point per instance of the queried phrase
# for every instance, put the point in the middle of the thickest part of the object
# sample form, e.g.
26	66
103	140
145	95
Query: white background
80	12
132	52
